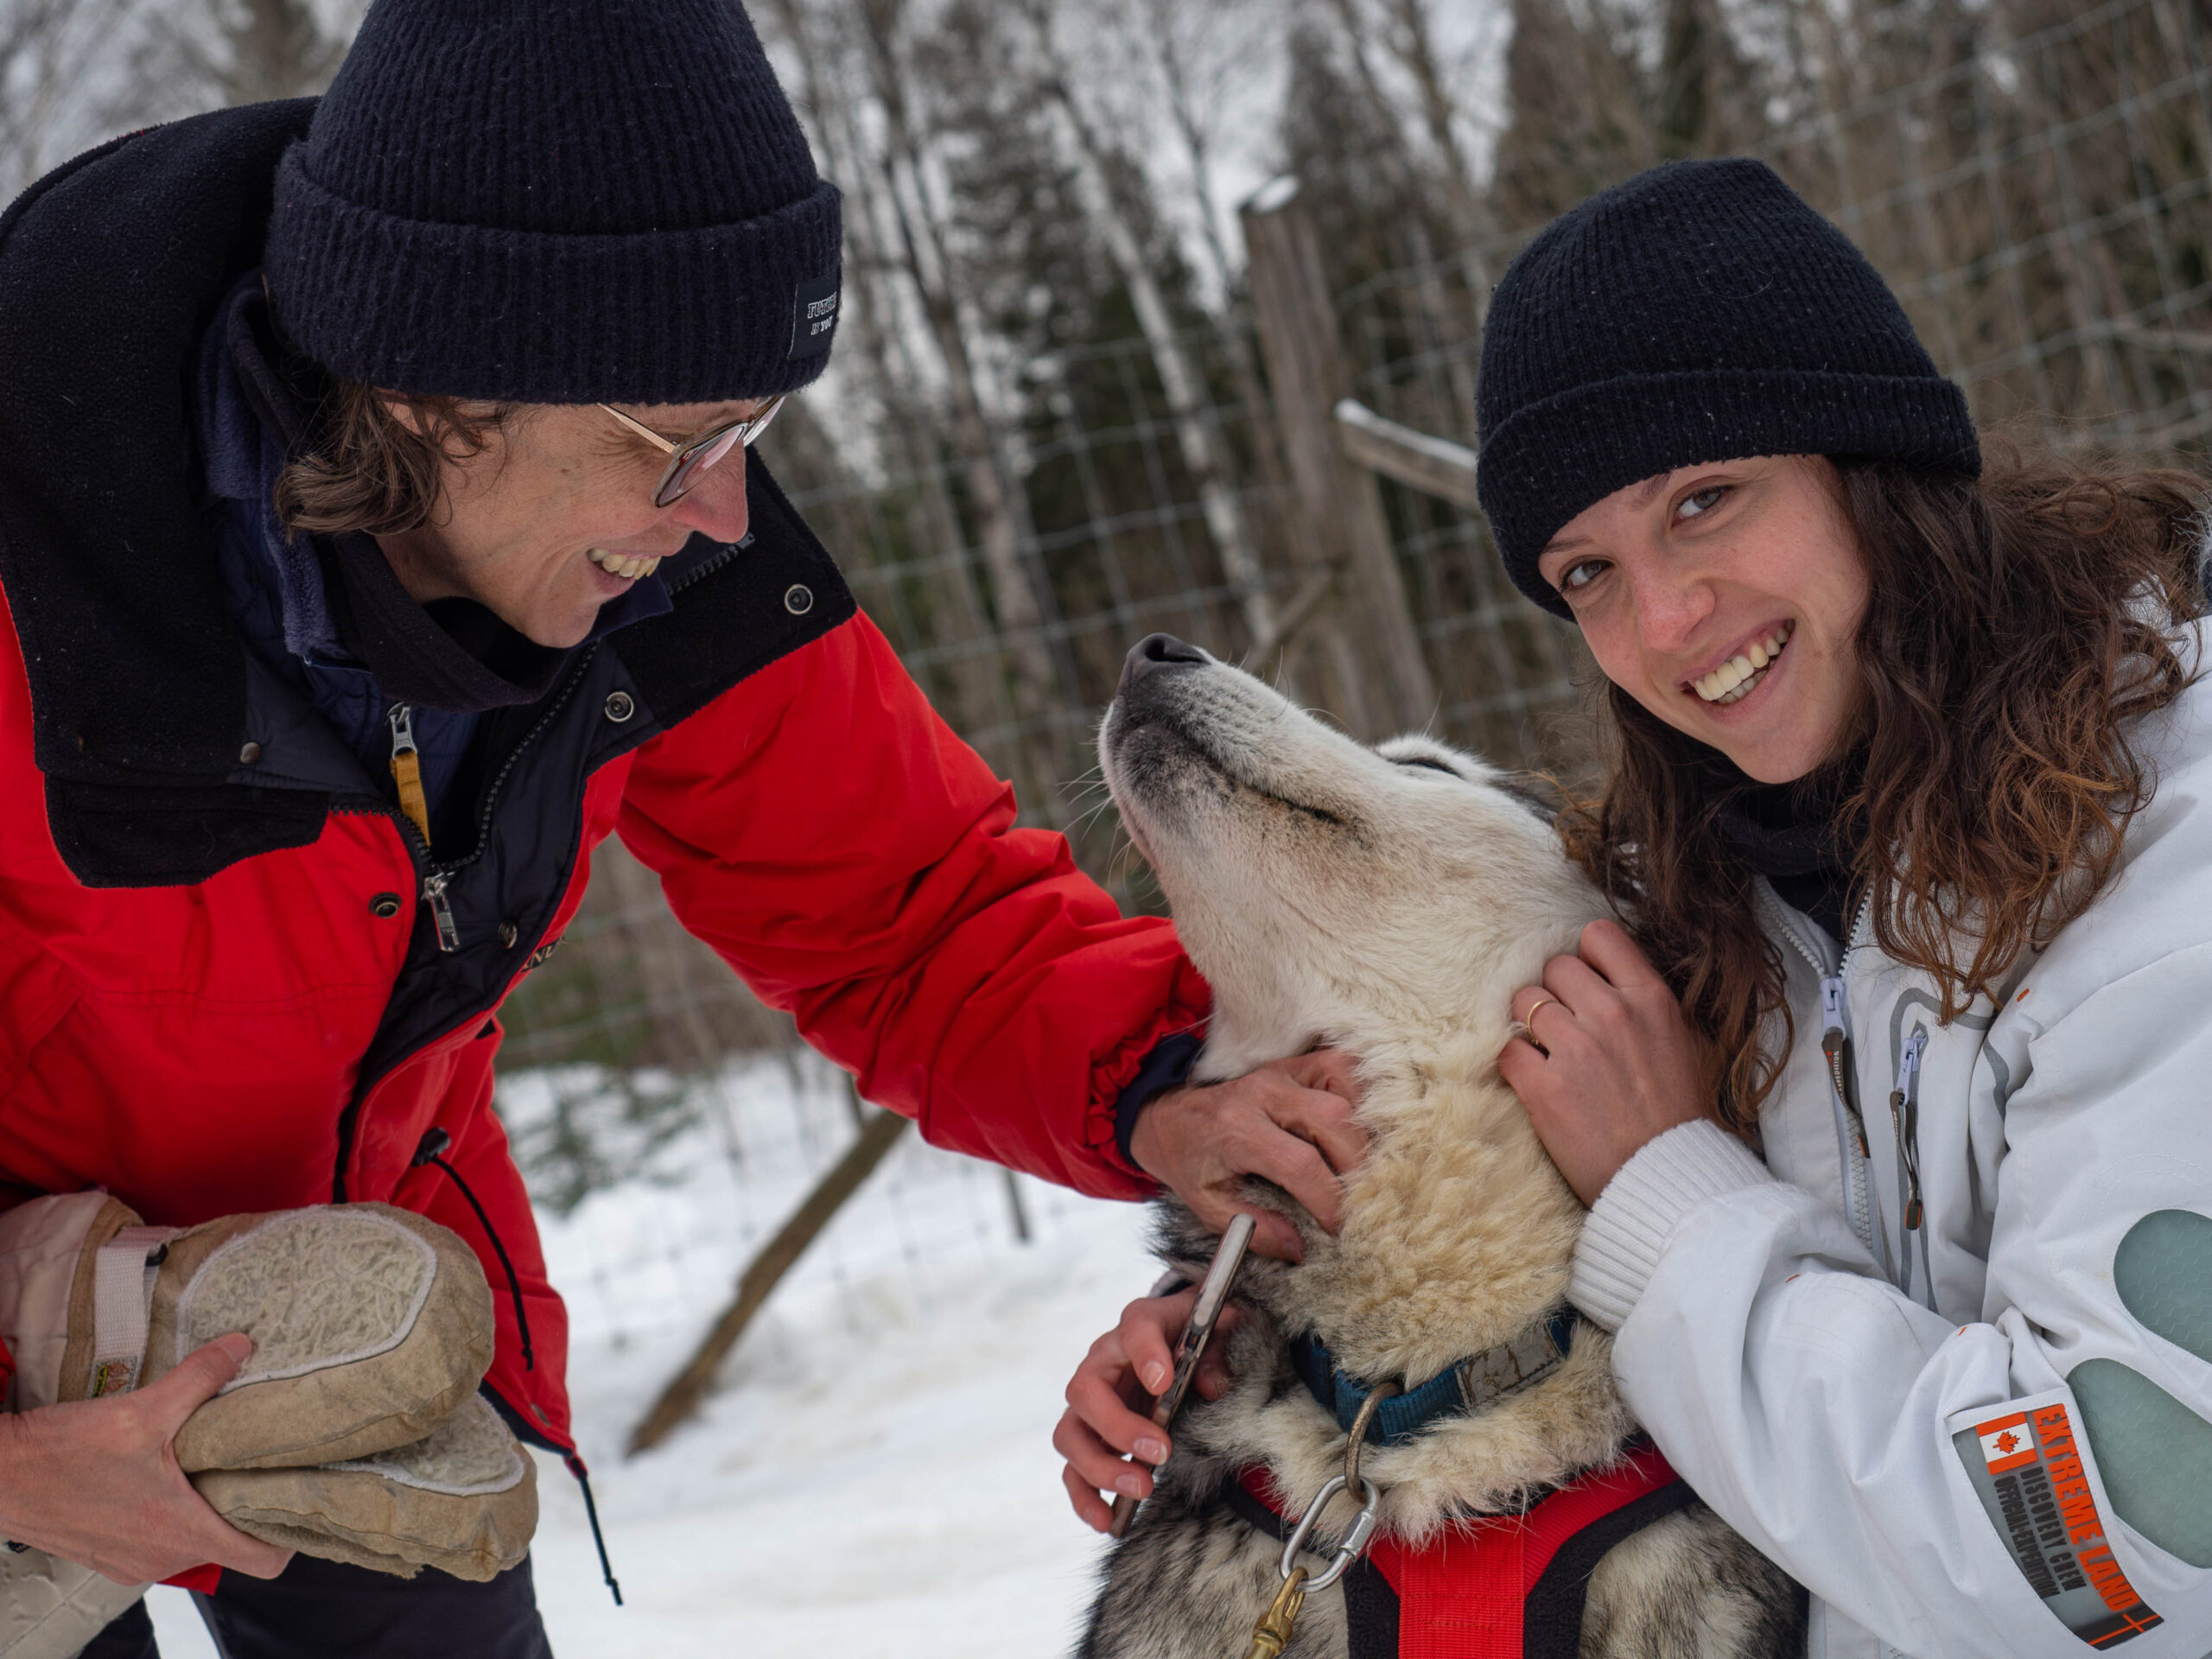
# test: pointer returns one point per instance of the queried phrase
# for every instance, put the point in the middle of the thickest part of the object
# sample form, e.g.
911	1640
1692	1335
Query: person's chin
1779	754
568	638
557	632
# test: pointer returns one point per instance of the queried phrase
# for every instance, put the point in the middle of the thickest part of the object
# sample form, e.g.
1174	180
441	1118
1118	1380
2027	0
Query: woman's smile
626	567
1743	671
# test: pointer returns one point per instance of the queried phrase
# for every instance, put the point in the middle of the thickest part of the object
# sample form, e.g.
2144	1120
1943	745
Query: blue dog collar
1467	1386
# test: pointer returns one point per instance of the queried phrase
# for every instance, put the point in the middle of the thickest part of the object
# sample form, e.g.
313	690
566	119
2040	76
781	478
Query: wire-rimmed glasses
686	460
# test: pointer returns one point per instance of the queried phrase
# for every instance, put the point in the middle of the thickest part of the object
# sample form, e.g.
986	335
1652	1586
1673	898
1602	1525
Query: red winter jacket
209	1002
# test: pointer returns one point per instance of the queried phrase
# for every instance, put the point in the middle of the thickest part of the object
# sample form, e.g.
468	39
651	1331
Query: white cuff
1635	1216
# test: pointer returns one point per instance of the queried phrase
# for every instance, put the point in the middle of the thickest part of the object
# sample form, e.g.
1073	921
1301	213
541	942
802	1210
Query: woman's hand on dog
1289	1121
1607	1063
96	1482
1107	1422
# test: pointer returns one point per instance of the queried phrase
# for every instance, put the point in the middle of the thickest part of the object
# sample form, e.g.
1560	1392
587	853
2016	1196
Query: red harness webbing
1465	1595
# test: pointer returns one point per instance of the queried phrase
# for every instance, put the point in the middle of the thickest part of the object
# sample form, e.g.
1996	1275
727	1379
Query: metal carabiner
1354	1543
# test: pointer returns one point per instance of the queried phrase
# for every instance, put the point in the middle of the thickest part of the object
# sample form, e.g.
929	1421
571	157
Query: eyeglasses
687	460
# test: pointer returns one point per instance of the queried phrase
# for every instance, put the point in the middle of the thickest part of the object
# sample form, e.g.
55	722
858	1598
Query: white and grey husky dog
1388	900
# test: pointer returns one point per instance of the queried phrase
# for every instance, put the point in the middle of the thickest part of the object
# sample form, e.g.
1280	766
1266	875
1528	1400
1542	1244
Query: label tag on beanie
814	316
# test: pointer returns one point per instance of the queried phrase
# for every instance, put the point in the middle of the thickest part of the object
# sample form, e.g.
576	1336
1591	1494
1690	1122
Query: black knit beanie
1700	312
557	201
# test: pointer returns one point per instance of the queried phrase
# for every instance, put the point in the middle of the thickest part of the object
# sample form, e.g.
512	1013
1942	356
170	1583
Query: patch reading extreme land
2030	1478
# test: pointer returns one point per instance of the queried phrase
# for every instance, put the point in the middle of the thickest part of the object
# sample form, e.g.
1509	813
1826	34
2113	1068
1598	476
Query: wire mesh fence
656	1190
2040	199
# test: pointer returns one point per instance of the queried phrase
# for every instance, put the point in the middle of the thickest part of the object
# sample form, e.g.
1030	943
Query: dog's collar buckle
1512	1365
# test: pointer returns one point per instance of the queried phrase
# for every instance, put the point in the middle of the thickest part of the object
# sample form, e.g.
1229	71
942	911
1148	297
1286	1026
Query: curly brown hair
2020	626
371	470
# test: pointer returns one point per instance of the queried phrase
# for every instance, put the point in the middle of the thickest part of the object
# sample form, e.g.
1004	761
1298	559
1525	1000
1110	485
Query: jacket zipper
1835	1045
436	878
1852	1149
407	768
1905	1113
414	810
708	566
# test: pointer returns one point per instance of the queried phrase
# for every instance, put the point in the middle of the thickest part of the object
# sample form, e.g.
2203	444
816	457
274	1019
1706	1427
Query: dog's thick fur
1388	900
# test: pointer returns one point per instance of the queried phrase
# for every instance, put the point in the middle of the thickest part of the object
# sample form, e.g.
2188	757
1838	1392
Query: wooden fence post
689	1386
1384	685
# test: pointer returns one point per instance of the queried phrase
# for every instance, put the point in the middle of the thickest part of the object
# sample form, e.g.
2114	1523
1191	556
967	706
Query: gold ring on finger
1528	1022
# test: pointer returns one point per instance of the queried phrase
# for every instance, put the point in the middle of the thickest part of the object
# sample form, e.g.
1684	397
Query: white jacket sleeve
1951	1487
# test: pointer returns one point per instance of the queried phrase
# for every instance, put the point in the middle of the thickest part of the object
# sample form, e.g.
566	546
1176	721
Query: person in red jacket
377	535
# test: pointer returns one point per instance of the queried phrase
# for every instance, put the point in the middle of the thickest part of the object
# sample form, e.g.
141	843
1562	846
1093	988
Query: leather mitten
463	1499
369	1324
355	1432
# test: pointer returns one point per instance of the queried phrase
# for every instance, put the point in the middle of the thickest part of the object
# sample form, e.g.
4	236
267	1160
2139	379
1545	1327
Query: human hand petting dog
1607	1062
1289	1120
1106	1434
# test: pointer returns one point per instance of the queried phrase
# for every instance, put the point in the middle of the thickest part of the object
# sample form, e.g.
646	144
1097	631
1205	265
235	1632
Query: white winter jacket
1945	1354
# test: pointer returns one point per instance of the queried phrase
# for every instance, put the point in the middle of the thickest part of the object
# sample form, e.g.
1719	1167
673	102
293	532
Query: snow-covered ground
875	1474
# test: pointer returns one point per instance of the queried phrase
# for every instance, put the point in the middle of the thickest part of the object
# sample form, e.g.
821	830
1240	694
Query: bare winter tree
53	56
928	260
246	51
1106	175
951	614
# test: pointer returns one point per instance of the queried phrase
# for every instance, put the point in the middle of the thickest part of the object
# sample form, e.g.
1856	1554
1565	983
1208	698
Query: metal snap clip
1354	1544
798	599
384	905
619	707
508	935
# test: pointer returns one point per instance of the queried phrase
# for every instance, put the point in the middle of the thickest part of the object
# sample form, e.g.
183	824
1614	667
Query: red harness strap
1472	1593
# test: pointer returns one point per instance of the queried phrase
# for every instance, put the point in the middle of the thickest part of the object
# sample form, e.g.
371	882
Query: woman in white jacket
1893	1119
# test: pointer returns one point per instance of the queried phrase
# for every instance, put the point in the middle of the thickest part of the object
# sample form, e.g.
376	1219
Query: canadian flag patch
2027	1468
2006	1445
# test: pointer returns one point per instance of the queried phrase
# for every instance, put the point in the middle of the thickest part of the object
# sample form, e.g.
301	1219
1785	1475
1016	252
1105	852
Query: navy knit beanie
557	201
1700	312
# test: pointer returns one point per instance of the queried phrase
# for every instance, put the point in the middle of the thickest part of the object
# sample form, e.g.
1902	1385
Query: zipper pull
1904	1111
407	770
434	895
1911	1175
1906	1094
1834	1008
1835	1046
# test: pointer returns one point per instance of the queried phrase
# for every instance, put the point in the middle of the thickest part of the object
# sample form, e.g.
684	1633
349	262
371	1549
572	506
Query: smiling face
555	516
1727	600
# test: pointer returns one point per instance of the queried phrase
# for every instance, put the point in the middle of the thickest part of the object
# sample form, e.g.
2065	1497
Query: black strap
1371	1612
435	1142
1551	1620
591	1514
1255	1514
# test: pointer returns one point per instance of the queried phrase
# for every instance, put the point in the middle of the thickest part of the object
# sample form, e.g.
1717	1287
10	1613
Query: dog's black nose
1155	652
